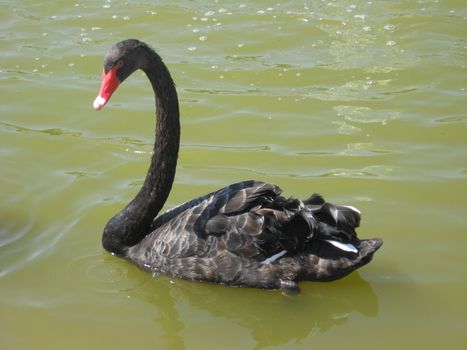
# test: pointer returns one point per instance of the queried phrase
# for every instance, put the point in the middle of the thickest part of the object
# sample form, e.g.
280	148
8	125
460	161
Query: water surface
361	101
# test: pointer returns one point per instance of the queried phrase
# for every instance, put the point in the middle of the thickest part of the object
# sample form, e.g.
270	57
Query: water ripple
103	273
362	114
49	131
21	255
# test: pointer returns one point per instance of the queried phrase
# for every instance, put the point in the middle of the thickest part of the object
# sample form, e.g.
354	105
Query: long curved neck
133	223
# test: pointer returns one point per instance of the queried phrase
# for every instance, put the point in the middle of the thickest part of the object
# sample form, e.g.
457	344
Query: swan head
119	63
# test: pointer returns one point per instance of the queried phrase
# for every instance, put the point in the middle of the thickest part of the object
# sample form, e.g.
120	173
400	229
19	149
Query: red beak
109	84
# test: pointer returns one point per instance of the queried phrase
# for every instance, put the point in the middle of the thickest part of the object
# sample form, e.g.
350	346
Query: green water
361	101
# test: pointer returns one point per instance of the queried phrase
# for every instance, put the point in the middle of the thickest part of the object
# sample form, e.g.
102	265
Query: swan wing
225	220
252	220
235	216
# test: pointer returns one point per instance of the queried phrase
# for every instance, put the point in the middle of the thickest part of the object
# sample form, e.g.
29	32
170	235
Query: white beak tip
99	102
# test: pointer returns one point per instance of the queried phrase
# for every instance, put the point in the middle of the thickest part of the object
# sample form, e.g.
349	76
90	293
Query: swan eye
119	64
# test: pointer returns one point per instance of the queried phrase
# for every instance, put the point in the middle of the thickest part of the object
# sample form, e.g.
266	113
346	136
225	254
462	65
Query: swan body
245	234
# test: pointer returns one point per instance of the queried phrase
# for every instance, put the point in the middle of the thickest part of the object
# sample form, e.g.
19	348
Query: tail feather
322	264
313	220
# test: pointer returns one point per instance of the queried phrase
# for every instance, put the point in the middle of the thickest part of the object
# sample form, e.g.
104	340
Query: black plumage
245	234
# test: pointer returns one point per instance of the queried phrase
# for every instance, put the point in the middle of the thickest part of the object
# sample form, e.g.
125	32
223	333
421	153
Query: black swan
245	234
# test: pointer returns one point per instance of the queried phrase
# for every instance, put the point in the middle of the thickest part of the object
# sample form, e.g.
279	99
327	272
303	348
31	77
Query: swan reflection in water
266	318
